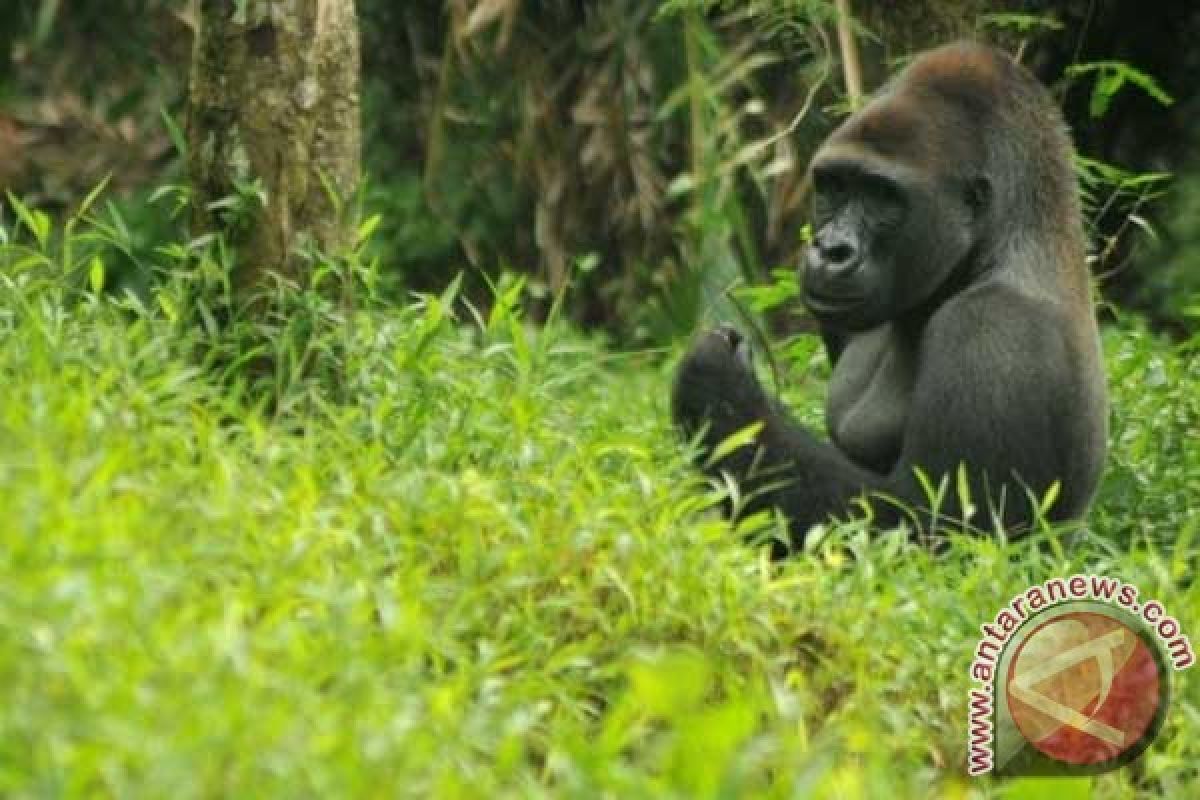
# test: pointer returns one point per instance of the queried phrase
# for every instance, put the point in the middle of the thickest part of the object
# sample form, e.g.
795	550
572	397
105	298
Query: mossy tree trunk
273	119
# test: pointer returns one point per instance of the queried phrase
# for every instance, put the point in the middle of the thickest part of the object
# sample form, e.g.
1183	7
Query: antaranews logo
1073	678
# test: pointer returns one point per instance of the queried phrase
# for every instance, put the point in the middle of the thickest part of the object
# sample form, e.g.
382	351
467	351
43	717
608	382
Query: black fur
948	277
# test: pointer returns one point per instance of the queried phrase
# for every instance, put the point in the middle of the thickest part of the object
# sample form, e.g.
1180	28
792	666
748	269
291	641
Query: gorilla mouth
830	303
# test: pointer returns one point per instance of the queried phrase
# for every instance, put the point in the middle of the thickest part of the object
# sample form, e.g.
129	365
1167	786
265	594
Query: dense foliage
647	155
469	560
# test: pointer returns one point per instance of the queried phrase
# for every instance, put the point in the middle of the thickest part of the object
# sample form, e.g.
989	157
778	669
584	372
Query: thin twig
851	69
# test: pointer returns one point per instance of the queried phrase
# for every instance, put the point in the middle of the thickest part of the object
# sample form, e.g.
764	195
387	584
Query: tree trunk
273	122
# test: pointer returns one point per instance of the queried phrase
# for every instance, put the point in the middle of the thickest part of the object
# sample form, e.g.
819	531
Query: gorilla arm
982	398
716	395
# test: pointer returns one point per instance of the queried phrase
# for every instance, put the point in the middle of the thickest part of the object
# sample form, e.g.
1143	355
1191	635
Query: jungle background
651	157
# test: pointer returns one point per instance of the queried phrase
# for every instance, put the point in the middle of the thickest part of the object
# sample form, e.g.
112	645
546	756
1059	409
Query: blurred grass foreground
457	555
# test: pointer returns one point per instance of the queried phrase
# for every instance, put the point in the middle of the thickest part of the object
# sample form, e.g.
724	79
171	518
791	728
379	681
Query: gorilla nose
833	254
833	278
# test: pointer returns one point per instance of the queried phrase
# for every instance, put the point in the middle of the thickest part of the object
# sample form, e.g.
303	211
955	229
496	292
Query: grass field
481	568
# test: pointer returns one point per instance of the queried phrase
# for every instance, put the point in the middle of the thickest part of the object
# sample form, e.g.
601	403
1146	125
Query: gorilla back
948	278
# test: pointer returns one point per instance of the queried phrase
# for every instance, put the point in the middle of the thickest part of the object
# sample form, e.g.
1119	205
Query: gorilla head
903	191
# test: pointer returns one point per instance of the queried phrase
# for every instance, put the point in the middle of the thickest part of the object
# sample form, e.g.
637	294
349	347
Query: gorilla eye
883	188
886	198
831	191
829	185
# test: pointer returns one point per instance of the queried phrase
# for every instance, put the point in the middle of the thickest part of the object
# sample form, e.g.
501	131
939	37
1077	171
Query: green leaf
1110	77
92	195
1021	23
174	133
96	275
368	227
36	222
1102	93
935	495
1048	499
962	488
169	309
587	262
736	441
1148	85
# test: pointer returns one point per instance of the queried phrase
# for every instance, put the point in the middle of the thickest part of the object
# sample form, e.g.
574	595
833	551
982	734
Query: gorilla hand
716	390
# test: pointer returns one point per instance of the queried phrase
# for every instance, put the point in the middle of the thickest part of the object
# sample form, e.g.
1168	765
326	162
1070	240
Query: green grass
482	568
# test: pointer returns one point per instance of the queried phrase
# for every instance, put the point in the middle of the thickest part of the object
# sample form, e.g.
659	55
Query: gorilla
947	275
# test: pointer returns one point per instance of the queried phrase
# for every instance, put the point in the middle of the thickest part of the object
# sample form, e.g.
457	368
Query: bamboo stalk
851	68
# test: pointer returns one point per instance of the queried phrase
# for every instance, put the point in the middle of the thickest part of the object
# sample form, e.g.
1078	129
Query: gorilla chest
869	397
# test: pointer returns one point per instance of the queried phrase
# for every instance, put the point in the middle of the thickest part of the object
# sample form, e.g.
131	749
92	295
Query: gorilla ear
979	195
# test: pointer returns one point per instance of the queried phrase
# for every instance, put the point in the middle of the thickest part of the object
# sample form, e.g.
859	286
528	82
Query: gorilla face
886	236
849	272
